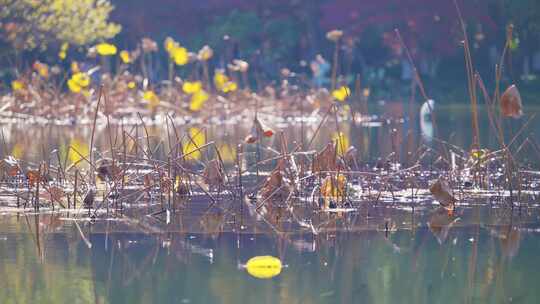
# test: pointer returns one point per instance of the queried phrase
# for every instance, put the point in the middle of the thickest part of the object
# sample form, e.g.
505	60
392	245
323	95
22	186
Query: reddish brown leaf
511	105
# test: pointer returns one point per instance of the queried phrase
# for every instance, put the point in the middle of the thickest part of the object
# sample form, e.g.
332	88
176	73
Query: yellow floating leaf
342	93
220	79
197	100
179	55
106	49
81	79
151	98
73	86
264	267
191	87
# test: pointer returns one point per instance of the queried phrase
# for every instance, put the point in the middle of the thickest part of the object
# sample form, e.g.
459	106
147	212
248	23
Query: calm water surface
480	255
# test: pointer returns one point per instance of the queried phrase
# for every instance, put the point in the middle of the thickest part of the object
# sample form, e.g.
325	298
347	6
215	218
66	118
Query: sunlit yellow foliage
17	85
152	99
223	84
78	149
342	142
63	50
78	82
39	23
131	85
41	68
333	188
220	79
179	55
197	100
124	55
227	153
191	87
342	93
264	267
106	49
198	139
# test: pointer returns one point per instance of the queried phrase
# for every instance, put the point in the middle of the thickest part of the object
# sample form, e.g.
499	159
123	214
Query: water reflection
42	261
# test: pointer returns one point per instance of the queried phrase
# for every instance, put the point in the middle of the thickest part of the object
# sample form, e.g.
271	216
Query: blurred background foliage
278	34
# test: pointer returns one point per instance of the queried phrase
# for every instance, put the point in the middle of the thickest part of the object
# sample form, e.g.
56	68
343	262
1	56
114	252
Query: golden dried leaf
511	105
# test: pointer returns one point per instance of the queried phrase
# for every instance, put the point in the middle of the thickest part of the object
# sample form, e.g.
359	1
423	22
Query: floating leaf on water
264	267
442	193
511	105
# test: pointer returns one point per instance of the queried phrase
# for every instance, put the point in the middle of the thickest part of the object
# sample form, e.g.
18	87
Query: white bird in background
426	125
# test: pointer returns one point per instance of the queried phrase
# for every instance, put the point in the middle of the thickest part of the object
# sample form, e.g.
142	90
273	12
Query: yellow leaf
333	188
77	150
220	80
191	87
230	87
124	55
106	49
81	79
17	85
151	98
342	142
73	86
227	153
179	55
131	85
197	100
264	267
342	93
191	148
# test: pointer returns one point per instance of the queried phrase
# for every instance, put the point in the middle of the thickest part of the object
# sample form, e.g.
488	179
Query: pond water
484	252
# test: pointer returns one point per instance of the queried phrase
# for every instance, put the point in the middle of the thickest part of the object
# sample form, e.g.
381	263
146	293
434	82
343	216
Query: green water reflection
473	264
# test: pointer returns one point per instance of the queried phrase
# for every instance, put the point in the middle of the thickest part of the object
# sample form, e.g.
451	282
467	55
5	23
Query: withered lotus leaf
441	192
511	105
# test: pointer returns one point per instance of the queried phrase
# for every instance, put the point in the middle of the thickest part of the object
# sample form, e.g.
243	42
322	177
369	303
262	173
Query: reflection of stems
335	65
470	80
